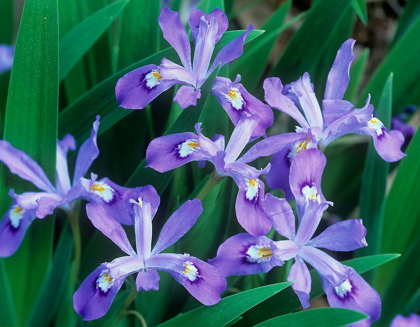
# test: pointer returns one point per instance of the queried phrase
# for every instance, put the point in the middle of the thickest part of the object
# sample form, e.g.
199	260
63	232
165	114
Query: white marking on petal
259	253
187	147
343	289
251	188
376	125
16	214
104	281
190	271
138	202
105	191
153	78
235	98
311	193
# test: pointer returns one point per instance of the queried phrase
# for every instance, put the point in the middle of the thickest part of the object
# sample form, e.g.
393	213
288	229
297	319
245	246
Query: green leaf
7	309
331	317
207	6
372	194
356	73
6	21
409	16
55	282
359	7
307	44
228	309
76	43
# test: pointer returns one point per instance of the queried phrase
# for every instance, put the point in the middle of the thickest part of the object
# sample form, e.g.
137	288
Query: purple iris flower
138	88
26	206
171	151
94	297
412	320
235	99
336	119
244	254
7	53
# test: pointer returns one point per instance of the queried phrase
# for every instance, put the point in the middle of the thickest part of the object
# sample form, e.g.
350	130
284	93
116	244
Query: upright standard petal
172	151
63	178
22	165
244	254
187	96
143	229
335	109
346	235
197	15
309	221
201	279
301	278
354	294
281	215
139	194
339	75
174	32
147	280
178	225
88	152
101	219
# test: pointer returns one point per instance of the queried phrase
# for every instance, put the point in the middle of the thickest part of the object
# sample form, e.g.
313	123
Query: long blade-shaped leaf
359	7
410	14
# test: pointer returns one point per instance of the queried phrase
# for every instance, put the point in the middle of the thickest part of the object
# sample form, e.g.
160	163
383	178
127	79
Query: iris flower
138	88
412	320
29	205
7	53
245	254
336	119
94	297
172	151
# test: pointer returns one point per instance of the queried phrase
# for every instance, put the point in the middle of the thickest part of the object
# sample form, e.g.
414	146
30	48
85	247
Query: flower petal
143	229
309	221
147	280
412	320
147	192
187	96
285	250
63	178
178	224
281	215
7	53
335	109
278	177
42	202
197	14
299	274
172	71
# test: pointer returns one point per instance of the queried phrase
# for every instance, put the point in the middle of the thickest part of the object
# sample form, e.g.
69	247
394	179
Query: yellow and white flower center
16	214
104	281
311	193
188	147
343	289
152	79
105	191
235	98
259	253
190	271
251	188
297	148
376	125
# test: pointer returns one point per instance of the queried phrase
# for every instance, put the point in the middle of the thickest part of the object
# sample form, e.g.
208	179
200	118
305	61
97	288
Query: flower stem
129	300
77	240
213	180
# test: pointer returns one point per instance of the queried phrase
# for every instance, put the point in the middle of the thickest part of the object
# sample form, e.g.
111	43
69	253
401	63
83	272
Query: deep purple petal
309	221
147	192
299	274
143	229
147	280
412	320
355	294
103	221
187	96
174	32
407	130
195	18
335	109
13	227
273	89
243	254
172	71
346	235
63	178
339	75
201	279
278	177
172	151
22	165
88	152
281	215
7	53
178	224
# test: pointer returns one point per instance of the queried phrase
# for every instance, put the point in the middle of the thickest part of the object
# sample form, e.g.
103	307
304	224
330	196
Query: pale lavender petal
172	151
346	235
239	169
136	89
309	221
101	219
285	250
63	178
278	177
178	224
7	53
339	75
147	192
174	32
329	268
335	109
197	14
273	94
30	201
210	146
124	266
356	294
235	255
281	215
143	229
172	71
231	51
21	164
412	320
147	280
13	227
187	96
201	279
303	89
88	152
301	278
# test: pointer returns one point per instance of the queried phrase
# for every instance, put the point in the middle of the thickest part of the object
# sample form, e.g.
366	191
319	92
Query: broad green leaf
331	317
31	125
372	194
7	309
402	60
409	16
207	6
55	282
359	7
356	73
6	21
306	45
76	43
228	308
